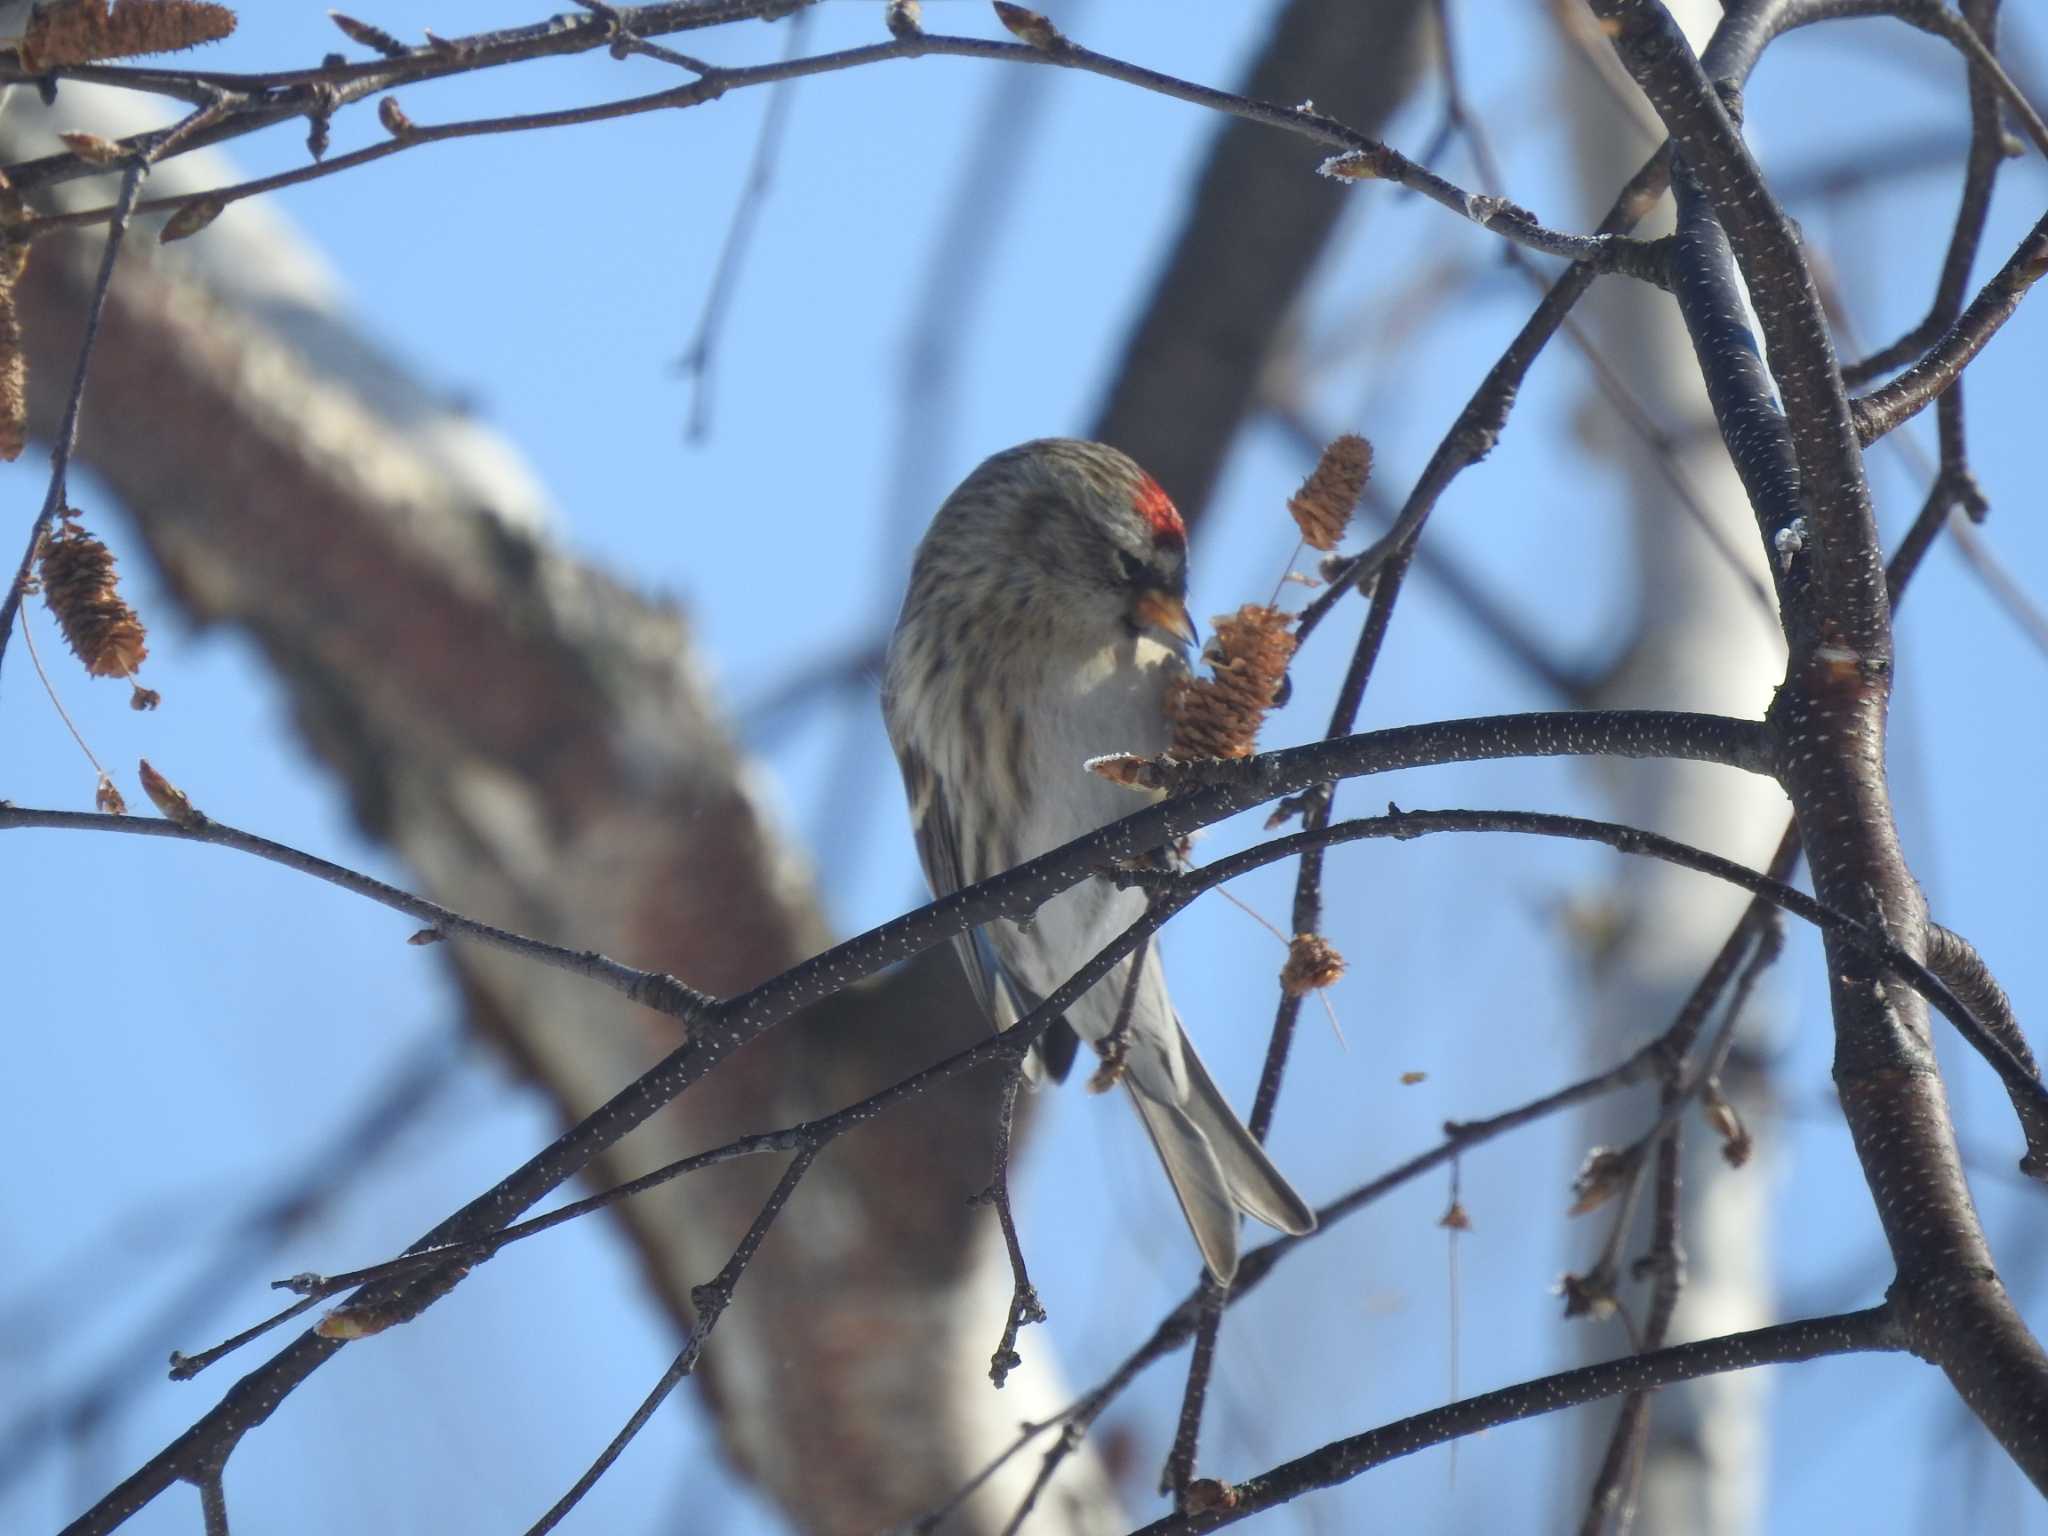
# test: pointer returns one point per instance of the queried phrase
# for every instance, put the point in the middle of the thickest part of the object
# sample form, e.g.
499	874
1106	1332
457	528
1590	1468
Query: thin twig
1952	27
1479	425
35	660
1492	617
55	499
1025	1307
213	1504
299	1199
1366	158
1179	1470
1634	414
1175	893
1180	1324
710	1301
1218	791
1831	715
1341	1460
1618	1483
1955	960
1986	155
698	360
1886	407
184	1367
652	988
936	1517
2016	1074
1114	1048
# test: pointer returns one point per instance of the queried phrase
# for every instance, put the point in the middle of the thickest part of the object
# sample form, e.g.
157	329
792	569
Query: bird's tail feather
1217	1168
1197	1179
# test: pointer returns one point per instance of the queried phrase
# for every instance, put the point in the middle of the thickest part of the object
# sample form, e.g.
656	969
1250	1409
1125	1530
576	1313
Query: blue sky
238	1014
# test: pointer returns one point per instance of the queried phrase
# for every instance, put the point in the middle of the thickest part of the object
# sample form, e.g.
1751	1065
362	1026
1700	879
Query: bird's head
1080	528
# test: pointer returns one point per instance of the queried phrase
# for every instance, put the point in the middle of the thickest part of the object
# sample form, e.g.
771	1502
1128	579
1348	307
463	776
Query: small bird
1045	618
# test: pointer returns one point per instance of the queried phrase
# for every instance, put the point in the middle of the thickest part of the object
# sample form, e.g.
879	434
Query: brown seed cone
1220	715
1323	506
82	591
1312	963
80	31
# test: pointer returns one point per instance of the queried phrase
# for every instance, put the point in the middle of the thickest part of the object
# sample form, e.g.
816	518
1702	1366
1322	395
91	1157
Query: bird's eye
1134	568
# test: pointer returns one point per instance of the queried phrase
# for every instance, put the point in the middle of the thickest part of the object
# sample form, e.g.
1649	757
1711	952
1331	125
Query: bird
1044	620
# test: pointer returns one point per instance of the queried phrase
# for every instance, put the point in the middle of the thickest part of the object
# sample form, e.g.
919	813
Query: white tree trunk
1703	642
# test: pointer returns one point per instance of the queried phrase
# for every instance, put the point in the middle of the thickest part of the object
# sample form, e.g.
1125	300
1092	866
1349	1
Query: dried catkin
1219	716
80	31
81	589
1323	506
1312	964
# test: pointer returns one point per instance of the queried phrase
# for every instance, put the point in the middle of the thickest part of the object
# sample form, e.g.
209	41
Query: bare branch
1830	717
1937	371
67	431
712	1299
1360	157
649	987
1341	1460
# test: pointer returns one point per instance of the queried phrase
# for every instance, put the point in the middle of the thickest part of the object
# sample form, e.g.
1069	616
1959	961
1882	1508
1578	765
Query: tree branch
1886	407
1810	1339
1829	717
1364	157
67	431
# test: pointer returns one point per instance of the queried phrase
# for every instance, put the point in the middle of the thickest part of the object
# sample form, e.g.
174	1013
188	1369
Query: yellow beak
1155	608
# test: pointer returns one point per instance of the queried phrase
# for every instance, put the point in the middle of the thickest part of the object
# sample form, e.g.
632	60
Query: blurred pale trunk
1702	641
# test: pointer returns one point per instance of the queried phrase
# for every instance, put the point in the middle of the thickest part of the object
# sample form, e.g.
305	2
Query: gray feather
1197	1180
1255	1186
1216	1166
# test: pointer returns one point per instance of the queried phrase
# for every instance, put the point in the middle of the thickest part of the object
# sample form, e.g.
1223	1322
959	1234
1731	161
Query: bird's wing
938	848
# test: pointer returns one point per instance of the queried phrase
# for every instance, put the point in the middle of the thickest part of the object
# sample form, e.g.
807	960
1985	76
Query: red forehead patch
1157	508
